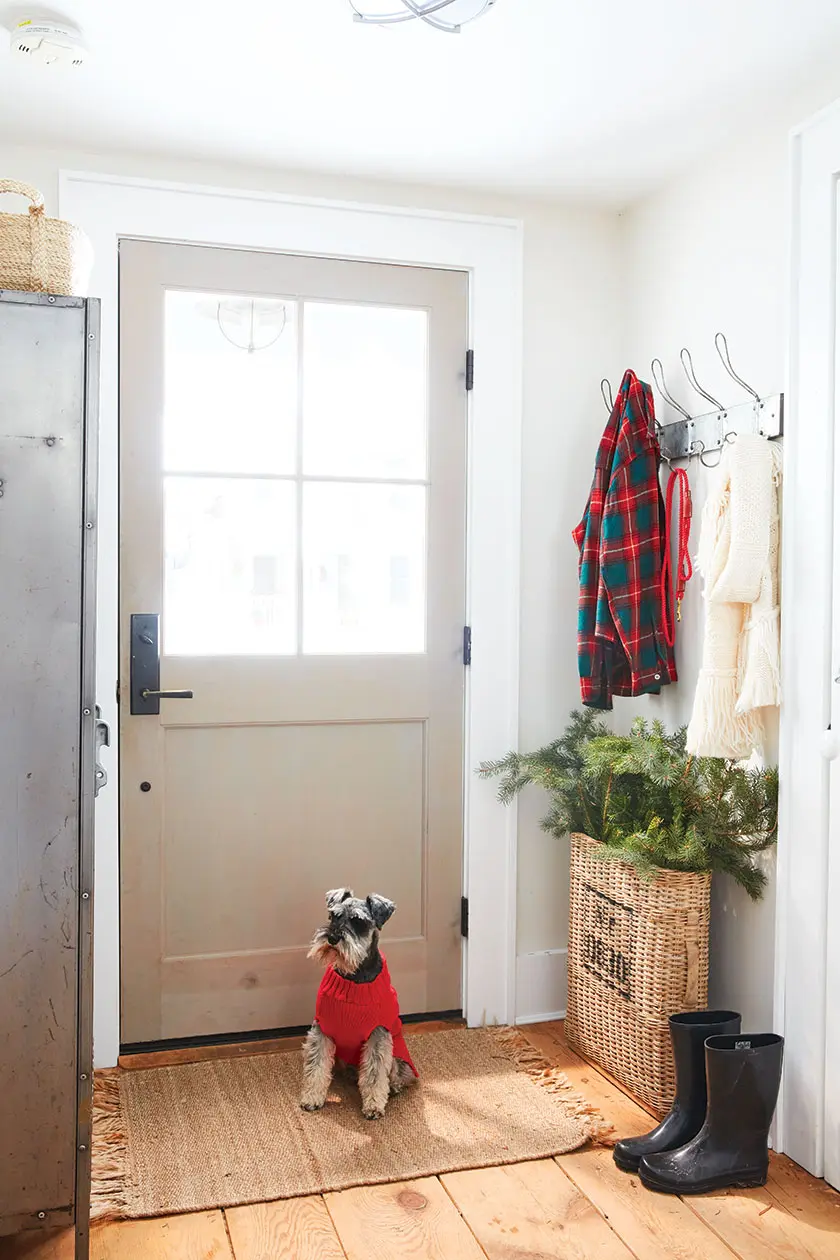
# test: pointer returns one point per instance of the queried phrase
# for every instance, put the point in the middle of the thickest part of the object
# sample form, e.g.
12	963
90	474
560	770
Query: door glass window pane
364	554
230	567
364	391
230	384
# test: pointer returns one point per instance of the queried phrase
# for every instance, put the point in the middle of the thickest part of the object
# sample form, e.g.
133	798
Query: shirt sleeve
631	563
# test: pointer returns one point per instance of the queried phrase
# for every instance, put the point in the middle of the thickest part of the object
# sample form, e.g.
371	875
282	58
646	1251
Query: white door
808	898
292	552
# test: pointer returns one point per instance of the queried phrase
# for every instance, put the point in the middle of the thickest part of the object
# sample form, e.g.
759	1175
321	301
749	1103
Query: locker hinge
470	373
465	917
468	645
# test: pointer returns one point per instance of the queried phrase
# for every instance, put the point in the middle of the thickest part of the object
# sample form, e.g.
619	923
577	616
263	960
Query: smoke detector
47	42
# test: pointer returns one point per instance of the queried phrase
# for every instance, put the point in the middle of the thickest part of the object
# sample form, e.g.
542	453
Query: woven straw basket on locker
42	255
638	953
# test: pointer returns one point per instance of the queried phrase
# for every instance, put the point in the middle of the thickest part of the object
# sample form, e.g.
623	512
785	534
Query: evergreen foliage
647	801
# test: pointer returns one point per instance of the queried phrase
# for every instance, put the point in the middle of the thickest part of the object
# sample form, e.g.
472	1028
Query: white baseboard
548	1017
541	986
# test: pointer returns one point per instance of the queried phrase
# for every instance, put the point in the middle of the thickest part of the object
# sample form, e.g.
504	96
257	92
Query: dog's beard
347	956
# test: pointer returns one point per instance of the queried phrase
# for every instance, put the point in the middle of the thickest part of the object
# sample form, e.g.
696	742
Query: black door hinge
470	373
465	917
467	645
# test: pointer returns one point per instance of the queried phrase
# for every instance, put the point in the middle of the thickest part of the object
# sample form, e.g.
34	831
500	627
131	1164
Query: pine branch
656	807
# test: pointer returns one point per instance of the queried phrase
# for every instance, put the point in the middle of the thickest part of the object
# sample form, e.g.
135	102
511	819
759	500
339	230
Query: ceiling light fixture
443	15
250	323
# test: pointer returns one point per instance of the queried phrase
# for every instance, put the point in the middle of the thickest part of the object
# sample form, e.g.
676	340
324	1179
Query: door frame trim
109	207
810	643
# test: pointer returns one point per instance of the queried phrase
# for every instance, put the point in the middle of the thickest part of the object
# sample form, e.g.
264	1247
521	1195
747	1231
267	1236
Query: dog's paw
373	1113
311	1106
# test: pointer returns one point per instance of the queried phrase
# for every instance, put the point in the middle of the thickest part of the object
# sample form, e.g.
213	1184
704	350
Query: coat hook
727	363
688	368
607	395
671	460
698	447
659	382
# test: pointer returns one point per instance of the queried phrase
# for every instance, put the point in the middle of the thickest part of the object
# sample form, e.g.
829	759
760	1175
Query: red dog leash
671	597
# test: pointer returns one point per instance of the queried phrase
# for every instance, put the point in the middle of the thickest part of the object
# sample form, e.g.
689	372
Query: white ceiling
602	98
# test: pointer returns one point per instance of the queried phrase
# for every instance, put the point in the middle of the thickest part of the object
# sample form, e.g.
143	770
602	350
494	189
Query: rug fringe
109	1150
528	1059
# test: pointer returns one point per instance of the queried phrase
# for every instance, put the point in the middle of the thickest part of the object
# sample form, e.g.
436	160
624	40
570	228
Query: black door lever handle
166	695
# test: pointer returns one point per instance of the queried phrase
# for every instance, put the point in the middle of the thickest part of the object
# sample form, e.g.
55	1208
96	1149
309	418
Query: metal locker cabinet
49	735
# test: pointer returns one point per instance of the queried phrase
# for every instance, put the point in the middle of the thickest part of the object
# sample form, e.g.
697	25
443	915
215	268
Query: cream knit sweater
739	558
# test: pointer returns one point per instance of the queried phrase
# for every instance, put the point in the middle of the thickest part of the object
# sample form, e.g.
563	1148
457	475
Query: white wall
709	253
571	319
571	338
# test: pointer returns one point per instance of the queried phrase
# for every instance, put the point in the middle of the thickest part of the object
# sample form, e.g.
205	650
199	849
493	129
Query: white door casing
808	897
108	207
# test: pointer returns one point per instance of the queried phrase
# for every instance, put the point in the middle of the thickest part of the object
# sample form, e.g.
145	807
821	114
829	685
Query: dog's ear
380	909
337	895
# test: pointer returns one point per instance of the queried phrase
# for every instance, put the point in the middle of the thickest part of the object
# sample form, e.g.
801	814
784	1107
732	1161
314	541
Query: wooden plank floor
576	1207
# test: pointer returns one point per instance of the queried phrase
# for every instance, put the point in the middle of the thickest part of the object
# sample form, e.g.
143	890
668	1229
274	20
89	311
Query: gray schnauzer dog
357	1013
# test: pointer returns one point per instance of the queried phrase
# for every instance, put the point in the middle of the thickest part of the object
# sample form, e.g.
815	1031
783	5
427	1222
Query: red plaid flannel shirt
622	648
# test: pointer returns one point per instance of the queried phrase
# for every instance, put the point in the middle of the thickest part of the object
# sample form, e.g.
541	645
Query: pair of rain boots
716	1133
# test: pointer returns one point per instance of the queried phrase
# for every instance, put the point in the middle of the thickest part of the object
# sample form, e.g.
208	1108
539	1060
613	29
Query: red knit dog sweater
347	1013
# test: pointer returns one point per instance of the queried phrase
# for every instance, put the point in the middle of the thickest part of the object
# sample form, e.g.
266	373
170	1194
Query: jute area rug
229	1132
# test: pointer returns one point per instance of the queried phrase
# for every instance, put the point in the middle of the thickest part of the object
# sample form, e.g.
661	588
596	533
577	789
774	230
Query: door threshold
135	1056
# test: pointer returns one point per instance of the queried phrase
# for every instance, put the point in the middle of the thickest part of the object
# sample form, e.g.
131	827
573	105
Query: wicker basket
638	953
41	255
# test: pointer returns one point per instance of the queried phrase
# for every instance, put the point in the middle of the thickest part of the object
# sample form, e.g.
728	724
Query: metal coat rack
709	432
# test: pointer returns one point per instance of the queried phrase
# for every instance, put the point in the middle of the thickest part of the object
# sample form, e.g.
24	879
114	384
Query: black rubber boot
685	1119
744	1072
